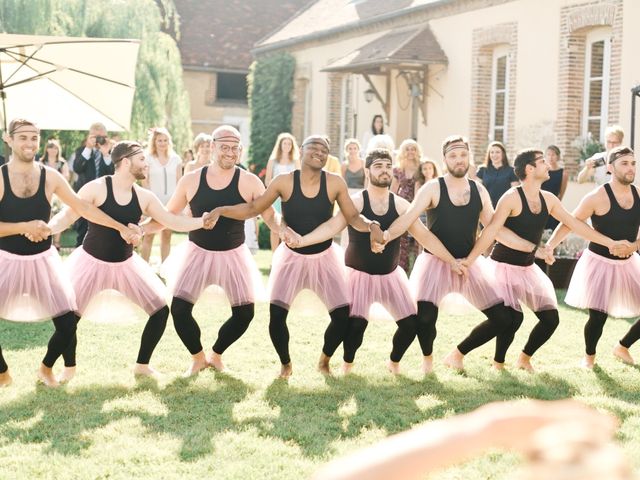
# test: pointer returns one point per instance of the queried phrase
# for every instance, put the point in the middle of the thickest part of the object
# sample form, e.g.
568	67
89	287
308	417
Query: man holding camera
595	167
92	160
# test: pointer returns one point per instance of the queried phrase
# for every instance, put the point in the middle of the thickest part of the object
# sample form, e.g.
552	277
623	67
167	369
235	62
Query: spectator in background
91	160
377	128
165	170
428	171
187	156
52	158
496	174
595	167
353	166
558	179
284	158
202	147
404	185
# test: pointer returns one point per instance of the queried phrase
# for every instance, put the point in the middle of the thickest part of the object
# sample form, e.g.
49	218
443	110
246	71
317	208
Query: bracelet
374	222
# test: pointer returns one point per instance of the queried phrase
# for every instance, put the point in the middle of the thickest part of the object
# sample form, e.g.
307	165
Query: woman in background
377	128
558	179
52	157
496	174
202	147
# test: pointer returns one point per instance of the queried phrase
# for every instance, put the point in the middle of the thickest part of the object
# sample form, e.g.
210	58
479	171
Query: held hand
210	219
461	267
545	253
291	238
622	249
37	230
376	233
132	234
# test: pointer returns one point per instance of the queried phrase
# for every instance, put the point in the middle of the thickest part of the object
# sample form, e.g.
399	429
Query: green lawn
248	425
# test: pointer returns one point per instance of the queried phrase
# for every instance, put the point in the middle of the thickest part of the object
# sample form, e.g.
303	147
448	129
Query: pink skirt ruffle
606	285
391	291
34	287
323	273
432	280
528	285
133	278
190	269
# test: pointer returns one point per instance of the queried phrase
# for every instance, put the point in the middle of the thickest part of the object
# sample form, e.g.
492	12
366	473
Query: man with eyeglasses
218	256
308	197
105	262
608	282
525	210
32	283
595	168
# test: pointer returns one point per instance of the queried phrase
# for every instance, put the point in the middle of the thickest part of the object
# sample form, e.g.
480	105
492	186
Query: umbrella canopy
67	83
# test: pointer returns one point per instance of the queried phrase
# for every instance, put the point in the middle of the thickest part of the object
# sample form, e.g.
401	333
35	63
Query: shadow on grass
23	336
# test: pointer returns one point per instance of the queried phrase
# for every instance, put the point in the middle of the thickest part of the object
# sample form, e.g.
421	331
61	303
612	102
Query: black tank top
456	226
14	209
618	223
527	225
304	214
228	233
359	255
105	243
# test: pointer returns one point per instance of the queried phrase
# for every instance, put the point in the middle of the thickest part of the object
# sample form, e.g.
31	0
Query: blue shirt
496	181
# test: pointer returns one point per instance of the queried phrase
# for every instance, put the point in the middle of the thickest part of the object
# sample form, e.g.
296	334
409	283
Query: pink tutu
529	285
133	278
391	291
606	285
432	280
323	273
34	287
190	269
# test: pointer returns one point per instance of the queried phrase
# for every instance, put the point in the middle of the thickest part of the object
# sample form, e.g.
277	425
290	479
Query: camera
599	162
101	140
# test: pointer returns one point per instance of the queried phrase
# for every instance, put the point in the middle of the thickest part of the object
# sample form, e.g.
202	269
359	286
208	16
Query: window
231	86
596	85
499	95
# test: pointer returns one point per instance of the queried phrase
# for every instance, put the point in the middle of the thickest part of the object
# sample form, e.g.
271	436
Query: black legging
548	321
498	319
333	335
632	335
405	333
3	365
426	326
65	329
151	335
593	330
234	327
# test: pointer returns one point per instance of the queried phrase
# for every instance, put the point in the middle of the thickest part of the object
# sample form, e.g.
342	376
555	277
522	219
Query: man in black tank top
105	261
30	270
308	196
376	277
607	282
217	256
525	211
454	207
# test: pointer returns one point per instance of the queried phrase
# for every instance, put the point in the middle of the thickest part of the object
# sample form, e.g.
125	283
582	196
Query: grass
248	425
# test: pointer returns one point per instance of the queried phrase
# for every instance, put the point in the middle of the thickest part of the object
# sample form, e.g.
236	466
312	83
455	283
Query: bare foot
346	368
427	364
622	353
67	374
5	379
45	375
454	360
323	364
286	370
498	365
524	363
199	362
393	367
144	370
588	361
215	360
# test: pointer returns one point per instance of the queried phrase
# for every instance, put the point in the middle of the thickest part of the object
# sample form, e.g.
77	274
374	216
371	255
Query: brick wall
334	106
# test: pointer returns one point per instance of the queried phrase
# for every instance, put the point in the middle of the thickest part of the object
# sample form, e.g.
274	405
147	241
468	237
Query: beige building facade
525	72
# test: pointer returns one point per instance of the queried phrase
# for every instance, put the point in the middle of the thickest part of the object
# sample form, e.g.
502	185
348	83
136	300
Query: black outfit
106	244
88	170
303	215
226	235
617	224
15	209
529	226
456	227
553	185
496	180
360	257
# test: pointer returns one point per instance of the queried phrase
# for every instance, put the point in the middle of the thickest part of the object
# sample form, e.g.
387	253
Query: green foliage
270	88
587	146
264	236
160	98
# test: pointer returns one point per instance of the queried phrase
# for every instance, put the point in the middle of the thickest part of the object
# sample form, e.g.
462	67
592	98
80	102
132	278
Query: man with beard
31	283
218	256
602	282
377	277
308	197
525	210
106	262
454	207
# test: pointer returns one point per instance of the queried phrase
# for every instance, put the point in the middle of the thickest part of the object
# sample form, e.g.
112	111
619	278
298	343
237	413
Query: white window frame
594	37
499	52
